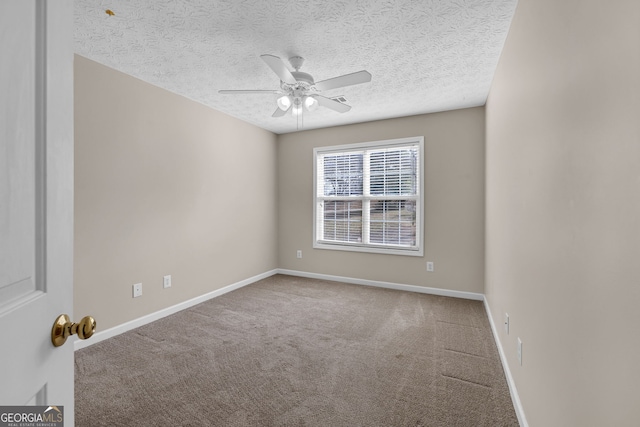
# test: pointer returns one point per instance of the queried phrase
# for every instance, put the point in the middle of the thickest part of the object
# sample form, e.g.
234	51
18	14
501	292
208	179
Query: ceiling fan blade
346	80
333	105
279	68
236	92
280	113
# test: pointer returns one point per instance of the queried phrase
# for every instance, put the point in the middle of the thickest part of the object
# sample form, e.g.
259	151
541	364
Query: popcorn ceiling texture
424	55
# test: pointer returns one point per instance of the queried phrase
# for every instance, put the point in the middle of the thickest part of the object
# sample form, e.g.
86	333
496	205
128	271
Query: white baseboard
117	330
510	382
388	285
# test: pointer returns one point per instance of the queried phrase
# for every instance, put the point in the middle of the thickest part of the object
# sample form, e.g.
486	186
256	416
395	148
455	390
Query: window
368	197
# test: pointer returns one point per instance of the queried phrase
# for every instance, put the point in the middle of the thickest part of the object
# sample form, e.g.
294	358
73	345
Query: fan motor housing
303	77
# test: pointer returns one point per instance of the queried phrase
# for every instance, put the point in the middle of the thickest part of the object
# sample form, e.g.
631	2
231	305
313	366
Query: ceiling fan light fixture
310	103
299	91
296	110
284	102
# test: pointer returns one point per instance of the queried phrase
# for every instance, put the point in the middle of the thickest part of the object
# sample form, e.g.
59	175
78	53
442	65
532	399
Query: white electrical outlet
137	290
166	282
430	266
299	253
520	351
506	323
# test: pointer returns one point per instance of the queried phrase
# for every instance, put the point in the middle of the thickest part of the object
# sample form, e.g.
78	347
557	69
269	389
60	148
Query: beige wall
454	195
164	185
156	194
563	209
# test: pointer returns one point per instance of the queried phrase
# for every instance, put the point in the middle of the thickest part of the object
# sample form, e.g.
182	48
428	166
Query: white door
36	201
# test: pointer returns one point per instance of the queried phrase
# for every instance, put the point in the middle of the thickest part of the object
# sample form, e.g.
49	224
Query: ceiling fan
298	90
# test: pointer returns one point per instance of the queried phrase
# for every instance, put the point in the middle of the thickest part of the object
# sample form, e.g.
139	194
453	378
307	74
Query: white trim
434	291
117	330
141	321
354	247
510	382
387	285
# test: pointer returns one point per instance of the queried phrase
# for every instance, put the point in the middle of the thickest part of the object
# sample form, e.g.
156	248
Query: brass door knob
63	328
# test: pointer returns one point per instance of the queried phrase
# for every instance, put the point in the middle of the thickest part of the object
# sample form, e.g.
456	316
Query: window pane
343	174
393	222
383	178
343	221
394	171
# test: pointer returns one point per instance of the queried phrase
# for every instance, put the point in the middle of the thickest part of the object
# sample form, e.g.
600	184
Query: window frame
418	249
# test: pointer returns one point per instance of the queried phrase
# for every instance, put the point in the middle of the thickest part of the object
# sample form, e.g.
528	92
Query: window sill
369	249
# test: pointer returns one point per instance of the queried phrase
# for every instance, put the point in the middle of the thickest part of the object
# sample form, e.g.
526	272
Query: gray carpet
288	351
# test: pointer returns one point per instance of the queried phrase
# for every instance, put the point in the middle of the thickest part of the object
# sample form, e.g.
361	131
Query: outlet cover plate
506	323
166	281
137	290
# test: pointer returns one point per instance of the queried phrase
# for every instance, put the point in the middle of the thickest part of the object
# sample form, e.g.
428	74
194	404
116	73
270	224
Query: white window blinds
369	196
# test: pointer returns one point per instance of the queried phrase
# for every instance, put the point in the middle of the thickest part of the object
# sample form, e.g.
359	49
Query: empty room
340	213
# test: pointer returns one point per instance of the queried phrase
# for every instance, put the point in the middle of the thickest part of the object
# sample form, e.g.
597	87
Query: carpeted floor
289	351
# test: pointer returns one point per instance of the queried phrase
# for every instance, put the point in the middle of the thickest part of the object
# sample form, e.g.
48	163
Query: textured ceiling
424	55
